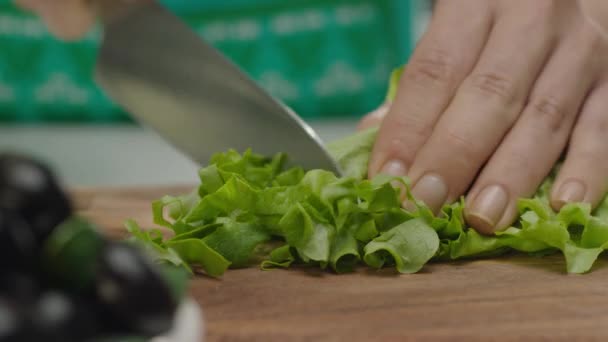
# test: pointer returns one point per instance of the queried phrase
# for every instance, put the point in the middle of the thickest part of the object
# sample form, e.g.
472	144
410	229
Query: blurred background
327	59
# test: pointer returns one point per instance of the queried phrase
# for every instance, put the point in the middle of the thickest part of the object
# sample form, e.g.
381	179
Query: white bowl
188	325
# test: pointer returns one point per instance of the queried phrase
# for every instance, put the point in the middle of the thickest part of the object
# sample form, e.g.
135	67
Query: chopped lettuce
246	201
408	245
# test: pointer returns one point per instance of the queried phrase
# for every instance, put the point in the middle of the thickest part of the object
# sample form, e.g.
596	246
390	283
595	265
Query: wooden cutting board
511	298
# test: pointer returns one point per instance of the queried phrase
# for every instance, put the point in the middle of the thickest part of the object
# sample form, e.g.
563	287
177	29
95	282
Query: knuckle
587	154
538	13
551	111
520	163
415	126
596	46
585	142
407	143
494	85
601	126
398	146
591	45
419	133
591	125
466	147
433	66
545	6
403	137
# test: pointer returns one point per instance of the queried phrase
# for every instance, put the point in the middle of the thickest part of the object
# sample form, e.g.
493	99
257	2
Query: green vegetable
70	251
246	201
409	246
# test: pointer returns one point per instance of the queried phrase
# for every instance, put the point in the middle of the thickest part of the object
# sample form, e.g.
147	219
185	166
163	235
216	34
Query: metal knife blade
167	77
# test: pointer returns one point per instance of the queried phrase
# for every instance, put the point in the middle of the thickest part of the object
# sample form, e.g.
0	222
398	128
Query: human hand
493	94
67	19
596	12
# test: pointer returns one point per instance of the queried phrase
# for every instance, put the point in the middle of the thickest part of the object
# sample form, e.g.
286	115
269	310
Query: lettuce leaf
247	201
409	246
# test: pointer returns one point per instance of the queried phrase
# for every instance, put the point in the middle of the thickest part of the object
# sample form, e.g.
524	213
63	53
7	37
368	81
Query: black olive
18	248
12	322
20	287
30	189
59	317
130	288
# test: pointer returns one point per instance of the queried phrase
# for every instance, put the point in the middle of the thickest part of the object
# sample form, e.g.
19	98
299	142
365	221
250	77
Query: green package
324	58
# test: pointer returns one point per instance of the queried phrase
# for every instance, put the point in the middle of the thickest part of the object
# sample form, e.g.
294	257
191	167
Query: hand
493	94
67	19
596	12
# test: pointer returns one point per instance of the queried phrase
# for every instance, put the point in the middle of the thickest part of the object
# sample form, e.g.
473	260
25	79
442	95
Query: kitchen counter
503	299
119	155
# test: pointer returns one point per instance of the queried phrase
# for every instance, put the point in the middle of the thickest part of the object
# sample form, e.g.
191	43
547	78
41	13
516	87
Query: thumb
374	118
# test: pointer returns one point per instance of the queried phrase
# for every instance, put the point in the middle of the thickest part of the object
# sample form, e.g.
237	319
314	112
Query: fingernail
488	208
395	168
409	206
432	190
380	112
571	191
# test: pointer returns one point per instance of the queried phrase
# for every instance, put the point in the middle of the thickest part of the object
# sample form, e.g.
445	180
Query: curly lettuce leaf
409	246
340	222
197	252
247	200
352	153
279	257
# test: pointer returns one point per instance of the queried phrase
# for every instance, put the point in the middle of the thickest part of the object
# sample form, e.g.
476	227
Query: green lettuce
248	202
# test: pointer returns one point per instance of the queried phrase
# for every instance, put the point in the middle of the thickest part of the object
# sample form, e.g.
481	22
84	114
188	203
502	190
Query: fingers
67	19
596	11
444	56
374	118
584	175
534	144
485	107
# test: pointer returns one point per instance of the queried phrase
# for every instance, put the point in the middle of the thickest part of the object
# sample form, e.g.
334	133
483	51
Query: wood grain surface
505	299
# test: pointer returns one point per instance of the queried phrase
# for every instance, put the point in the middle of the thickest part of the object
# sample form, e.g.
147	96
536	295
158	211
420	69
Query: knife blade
162	73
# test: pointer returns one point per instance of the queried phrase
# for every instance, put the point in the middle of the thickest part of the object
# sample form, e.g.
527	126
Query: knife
162	73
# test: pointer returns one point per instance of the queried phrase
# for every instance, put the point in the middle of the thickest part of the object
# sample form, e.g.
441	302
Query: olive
131	289
12	321
29	188
17	242
59	317
20	287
